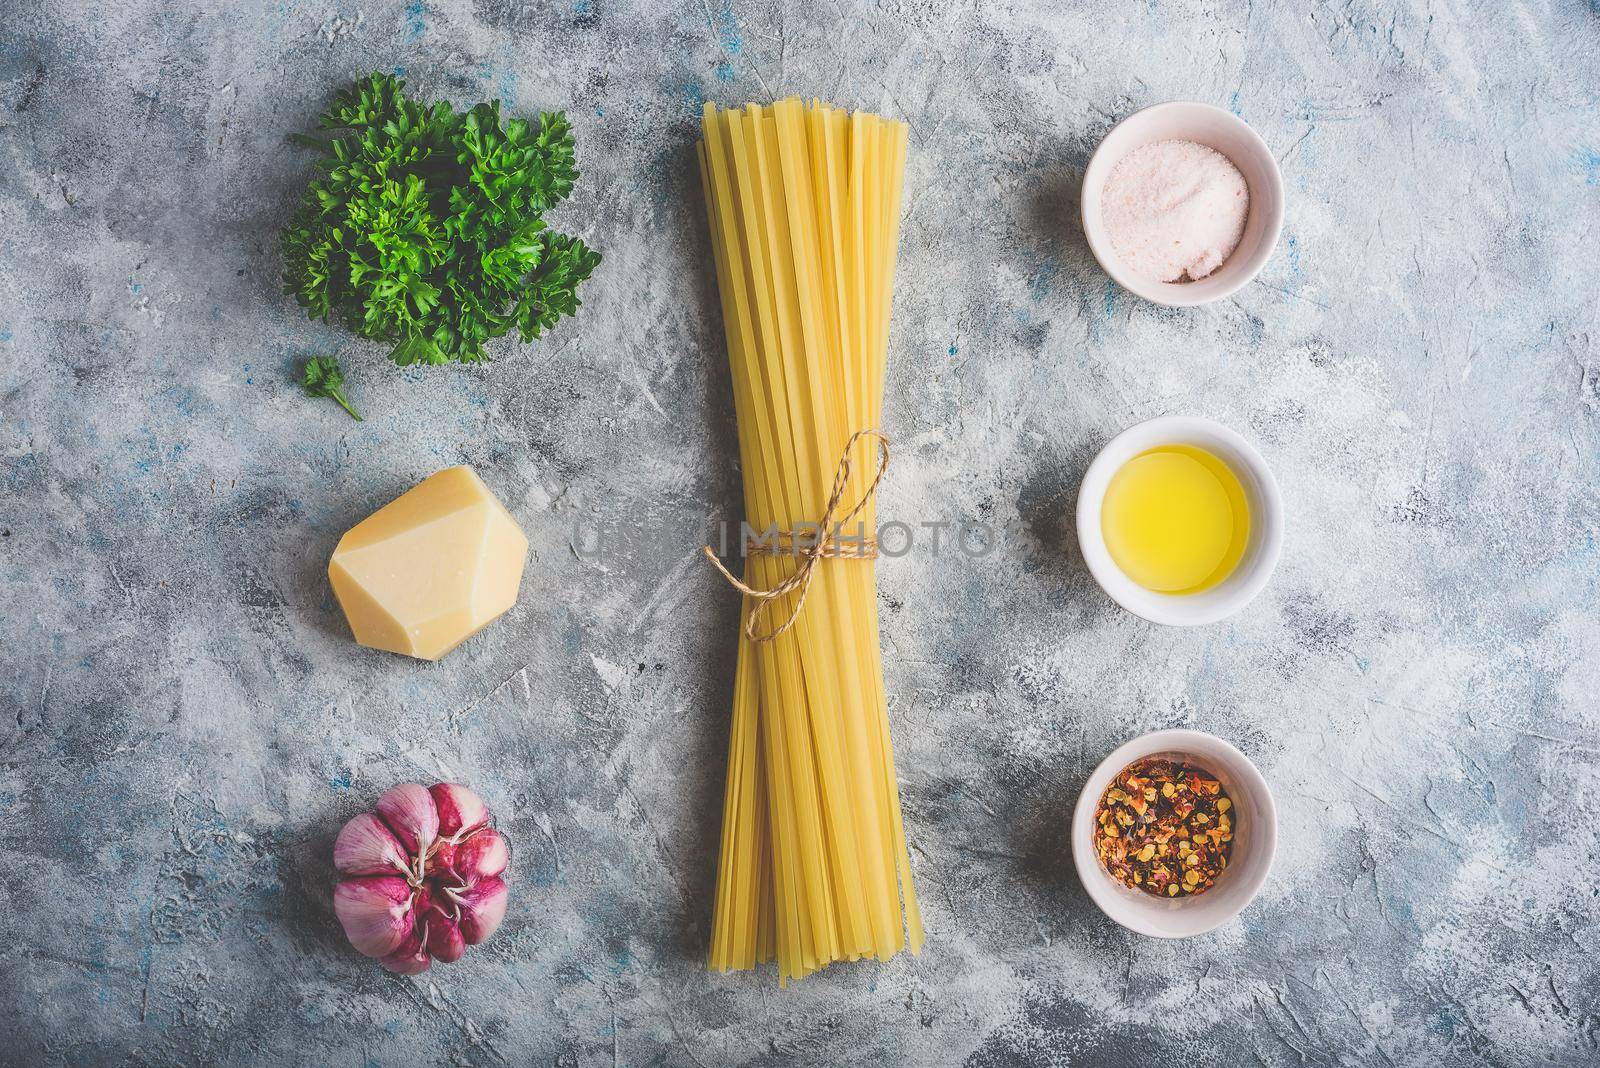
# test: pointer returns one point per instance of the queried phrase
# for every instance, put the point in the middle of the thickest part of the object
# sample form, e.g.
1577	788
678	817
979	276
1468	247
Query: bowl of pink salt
1182	203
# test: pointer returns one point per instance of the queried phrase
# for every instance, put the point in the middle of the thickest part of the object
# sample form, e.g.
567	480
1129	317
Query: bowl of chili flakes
1174	833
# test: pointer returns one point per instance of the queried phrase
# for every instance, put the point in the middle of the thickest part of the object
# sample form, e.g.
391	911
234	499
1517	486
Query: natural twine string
825	544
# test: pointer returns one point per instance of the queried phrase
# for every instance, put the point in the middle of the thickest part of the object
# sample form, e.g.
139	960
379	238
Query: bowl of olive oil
1180	520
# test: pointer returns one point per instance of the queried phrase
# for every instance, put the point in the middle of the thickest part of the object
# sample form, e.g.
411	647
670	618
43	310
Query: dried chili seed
1157	809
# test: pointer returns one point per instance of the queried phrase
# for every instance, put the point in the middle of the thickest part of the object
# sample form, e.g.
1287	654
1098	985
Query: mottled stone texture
186	722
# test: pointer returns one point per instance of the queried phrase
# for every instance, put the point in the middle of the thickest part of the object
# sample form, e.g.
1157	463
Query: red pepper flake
1165	828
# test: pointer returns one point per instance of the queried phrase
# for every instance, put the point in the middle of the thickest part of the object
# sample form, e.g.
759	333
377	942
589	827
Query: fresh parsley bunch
426	229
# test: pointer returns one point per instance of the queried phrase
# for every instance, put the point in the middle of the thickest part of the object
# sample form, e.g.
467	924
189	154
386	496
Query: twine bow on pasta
825	543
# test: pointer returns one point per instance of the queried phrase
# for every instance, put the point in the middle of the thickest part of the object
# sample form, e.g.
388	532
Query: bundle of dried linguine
804	207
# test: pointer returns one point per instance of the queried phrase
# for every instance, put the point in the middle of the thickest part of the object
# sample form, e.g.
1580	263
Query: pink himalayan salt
1174	210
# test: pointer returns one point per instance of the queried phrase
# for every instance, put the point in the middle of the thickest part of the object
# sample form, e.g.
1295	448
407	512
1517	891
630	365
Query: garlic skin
411	957
482	906
460	810
366	847
409	811
445	941
482	855
375	911
441	863
425	877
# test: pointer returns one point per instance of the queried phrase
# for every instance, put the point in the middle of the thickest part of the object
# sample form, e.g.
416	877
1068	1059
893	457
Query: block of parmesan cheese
431	568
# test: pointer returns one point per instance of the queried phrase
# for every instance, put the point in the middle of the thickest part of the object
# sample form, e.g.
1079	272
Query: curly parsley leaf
323	378
425	229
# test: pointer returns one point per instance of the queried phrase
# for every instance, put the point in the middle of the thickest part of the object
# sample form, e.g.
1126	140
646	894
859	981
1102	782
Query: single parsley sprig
324	379
426	229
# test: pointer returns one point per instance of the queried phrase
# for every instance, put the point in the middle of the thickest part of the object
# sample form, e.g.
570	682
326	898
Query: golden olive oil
1175	519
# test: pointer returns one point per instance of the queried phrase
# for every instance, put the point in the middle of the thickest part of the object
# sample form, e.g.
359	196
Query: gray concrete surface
186	722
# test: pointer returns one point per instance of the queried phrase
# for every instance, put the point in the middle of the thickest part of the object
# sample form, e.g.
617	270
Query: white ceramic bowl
1255	839
1185	120
1261	551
